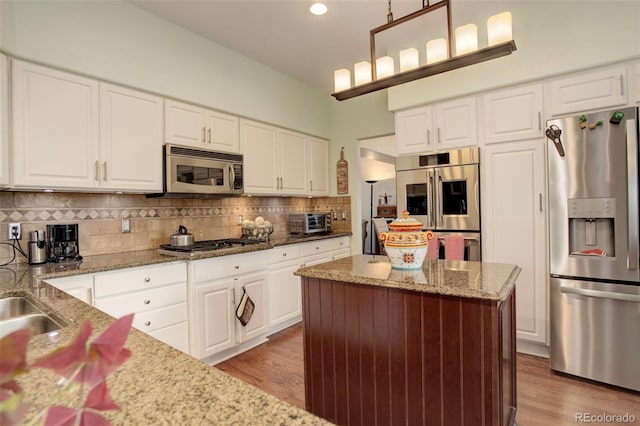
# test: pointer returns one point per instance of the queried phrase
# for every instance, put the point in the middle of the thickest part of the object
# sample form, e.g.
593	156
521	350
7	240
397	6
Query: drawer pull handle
284	254
147	323
147	280
147	301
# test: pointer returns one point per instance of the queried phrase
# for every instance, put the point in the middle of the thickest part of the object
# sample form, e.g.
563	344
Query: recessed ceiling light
318	9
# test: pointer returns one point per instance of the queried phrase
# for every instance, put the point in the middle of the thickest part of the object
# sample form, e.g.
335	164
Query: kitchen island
429	346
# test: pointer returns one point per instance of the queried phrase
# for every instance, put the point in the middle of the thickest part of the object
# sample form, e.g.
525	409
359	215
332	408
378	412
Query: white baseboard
531	348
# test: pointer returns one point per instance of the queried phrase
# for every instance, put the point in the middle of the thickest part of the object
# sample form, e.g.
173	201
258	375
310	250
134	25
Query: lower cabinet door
255	285
285	299
215	317
176	335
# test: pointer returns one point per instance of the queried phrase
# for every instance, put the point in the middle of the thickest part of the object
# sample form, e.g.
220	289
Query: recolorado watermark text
604	418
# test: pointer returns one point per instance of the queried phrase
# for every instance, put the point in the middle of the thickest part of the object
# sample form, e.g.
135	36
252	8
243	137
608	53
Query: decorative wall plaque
342	174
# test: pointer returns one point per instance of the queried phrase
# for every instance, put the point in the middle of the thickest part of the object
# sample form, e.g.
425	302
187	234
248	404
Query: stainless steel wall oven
442	190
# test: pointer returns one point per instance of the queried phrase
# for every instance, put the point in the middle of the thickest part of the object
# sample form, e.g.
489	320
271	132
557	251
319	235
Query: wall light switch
344	215
126	226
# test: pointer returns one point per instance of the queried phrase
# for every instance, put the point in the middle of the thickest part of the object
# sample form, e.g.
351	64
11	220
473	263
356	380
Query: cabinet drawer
340	243
284	254
176	335
142	301
316	247
133	279
160	318
209	269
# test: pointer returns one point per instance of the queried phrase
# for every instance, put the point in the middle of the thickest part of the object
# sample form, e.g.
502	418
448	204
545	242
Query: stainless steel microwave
192	171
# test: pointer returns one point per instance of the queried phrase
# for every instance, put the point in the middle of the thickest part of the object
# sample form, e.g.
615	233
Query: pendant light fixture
440	53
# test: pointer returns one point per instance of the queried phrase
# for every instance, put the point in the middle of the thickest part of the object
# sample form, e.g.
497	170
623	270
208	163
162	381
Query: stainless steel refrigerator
593	234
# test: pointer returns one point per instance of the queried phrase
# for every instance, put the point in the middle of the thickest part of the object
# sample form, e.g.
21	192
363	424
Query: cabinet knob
317	248
147	280
147	323
147	301
236	266
284	254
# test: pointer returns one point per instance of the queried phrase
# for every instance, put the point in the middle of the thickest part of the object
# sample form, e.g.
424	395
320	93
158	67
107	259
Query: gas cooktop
199	247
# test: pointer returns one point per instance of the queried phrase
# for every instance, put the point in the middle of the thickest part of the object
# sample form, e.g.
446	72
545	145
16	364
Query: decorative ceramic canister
406	243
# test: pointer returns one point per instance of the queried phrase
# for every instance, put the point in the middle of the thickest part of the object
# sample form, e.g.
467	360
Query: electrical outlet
15	231
126	226
240	219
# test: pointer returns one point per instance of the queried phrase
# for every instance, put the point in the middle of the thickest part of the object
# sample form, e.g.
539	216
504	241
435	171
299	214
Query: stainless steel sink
18	312
11	307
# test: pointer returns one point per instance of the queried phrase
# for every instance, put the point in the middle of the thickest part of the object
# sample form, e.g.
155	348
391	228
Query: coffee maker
63	243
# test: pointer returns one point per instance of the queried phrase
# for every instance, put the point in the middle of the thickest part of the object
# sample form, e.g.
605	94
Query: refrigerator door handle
599	294
632	189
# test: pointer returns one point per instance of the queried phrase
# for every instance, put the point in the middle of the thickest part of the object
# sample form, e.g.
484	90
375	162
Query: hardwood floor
544	397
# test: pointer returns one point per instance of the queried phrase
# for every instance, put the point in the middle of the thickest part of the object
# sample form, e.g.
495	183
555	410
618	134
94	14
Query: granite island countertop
158	384
478	280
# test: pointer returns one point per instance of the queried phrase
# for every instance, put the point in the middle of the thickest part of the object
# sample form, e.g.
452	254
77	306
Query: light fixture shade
499	28
342	79
466	39
362	73
437	50
385	67
409	59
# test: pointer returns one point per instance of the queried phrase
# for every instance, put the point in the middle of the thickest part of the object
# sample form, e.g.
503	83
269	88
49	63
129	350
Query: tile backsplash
152	220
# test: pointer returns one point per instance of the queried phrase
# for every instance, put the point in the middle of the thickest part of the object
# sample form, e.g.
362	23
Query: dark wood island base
386	355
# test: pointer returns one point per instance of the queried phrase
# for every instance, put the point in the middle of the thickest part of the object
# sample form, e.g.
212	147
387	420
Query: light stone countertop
478	280
158	384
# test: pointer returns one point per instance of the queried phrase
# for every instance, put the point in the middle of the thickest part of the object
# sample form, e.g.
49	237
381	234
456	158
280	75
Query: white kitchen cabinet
131	126
513	114
442	126
78	286
636	79
514	227
274	159
190	125
4	121
588	91
318	166
285	293
74	133
285	297
216	286
292	162
55	128
156	294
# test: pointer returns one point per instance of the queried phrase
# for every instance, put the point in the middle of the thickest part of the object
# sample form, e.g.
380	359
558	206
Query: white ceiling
283	34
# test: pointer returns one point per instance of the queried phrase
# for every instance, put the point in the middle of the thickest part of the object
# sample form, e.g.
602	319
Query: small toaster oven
309	223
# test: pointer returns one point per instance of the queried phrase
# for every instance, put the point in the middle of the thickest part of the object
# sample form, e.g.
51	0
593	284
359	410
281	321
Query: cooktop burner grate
209	245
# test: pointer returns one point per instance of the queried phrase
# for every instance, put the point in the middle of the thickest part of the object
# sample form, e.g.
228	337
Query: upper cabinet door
456	123
414	130
292	159
636	79
446	125
259	143
4	120
190	125
222	132
184	124
595	90
55	128
131	125
318	166
514	114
